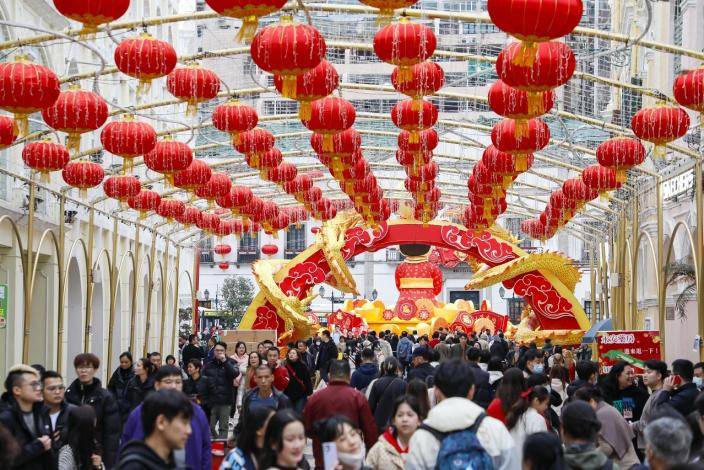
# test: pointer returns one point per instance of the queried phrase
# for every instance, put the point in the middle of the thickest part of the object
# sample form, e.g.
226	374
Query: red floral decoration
249	11
620	154
288	49
408	116
92	13
600	178
196	175
506	139
25	88
190	216
128	139
235	118
76	112
144	202
83	175
45	156
193	84
222	249
330	116
313	85
404	44
122	187
145	58
516	104
168	157
425	79
688	89
219	185
660	125
170	209
8	131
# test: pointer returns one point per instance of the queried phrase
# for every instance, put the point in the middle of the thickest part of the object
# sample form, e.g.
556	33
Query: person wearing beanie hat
579	430
422	369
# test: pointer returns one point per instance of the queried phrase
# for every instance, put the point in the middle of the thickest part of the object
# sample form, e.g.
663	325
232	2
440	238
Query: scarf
391	439
614	429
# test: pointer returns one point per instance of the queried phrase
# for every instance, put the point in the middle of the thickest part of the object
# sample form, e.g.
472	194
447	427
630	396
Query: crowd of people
370	401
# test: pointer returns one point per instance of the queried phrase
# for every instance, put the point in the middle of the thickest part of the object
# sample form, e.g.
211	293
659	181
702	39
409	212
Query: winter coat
198	389
137	390
363	375
681	399
328	352
281	378
61	423
529	423
191	352
648	411
118	385
586	457
423	372
32	454
300	384
456	414
456	351
383	394
444	350
139	456
404	350
198	456
386	454
220	376
308	359
282	402
385	348
338	398
107	413
67	460
483	394
499	348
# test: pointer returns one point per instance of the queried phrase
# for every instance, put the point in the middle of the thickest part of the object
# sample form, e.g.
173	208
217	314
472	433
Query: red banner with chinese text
634	347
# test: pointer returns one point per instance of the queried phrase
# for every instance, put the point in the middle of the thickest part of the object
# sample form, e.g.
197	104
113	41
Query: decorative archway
552	301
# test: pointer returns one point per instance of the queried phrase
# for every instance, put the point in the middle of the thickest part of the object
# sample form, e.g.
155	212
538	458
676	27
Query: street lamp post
333	299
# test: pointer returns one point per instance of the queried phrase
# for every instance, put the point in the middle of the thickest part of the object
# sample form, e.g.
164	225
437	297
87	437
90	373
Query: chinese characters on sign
634	347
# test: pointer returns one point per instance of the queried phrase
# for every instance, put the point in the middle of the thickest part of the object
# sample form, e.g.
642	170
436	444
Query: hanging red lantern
168	157
282	221
235	118
190	216
264	161
223	249
224	265
193	84
8	131
600	178
144	202
575	189
128	139
515	104
688	89
75	112
283	173
196	175
409	116
314	194
236	199
413	186
387	7
92	13
223	229
660	125
413	160
506	139
330	116
288	49
249	11
426	78
427	172
347	142
428	140
269	249
26	88
484	175
218	185
535	21
45	156
566	205
404	44
313	85
256	141
171	209
122	187
298	185
338	163
83	175
145	58
620	154
208	222
503	164
534	228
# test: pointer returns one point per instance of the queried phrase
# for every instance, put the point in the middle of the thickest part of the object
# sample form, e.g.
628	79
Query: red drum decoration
171	209
45	156
235	118
688	89
83	175
25	88
313	85
425	79
506	139
168	157
535	21
620	154
404	44
600	178
145	58
128	139
193	84
256	141
346	142
428	140
283	173
219	185
515	104
8	131
190	216
407	116
122	187
660	125
249	11
92	13
196	175
144	202
224	265
330	116
269	249
76	112
288	49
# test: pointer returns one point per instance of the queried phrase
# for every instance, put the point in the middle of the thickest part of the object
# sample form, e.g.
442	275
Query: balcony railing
247	256
206	257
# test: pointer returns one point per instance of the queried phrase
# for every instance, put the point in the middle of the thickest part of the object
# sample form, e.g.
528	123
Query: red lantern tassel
22	122
45	177
247	30
417	104
526	55
621	175
127	166
659	151
486	212
83	193
521	128
413	137
192	108
536	103
305	111
328	144
288	89
385	16
142	215
73	142
236	139
521	162
404	74
144	85
168	180
507	180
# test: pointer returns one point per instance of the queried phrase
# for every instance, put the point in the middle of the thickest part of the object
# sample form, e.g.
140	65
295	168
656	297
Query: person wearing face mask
348	441
532	363
526	416
390	450
284	443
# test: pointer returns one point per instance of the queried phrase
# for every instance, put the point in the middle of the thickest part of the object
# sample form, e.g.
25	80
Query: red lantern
288	49
193	84
534	228
168	157
503	164
688	89
313	85
314	194
427	172
265	161
415	185
218	185
144	202
222	249
235	118
83	175
575	189
224	265
236	199
45	156
387	7
411	117
249	11
122	187
620	154
553	66
283	173
298	185
515	104
145	58
25	88
8	131
404	44
425	79
427	141
346	142
269	249
223	229
256	141
128	139
660	125
413	160
330	116
190	216
208	222
506	139
600	178
196	175
171	209
76	112
535	21
92	13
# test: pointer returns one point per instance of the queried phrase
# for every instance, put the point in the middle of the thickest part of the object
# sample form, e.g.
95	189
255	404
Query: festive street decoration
45	156
8	131
122	187
92	13
168	157
249	11
620	154
76	112
196	175
235	118
193	84
313	85
145	58
404	44
330	116
128	138
83	175
660	125
171	209
144	202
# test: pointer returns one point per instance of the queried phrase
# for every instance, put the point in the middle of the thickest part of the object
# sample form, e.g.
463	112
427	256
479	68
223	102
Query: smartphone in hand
329	455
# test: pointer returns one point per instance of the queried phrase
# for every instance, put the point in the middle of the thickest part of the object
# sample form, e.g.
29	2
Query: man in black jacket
192	351
54	391
261	395
327	352
87	390
24	416
220	372
197	387
499	347
306	357
680	396
482	389
422	369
